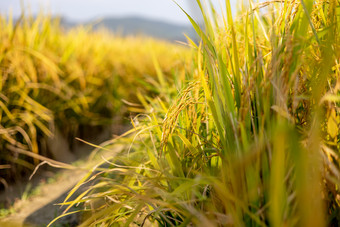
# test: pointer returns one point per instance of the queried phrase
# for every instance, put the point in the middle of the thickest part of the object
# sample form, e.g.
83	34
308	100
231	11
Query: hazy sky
82	10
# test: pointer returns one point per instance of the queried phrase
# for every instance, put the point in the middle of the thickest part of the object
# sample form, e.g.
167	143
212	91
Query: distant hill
142	26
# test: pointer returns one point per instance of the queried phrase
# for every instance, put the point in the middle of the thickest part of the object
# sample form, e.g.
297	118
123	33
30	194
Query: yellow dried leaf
332	124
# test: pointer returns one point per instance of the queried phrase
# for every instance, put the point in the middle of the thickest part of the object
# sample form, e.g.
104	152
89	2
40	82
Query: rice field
240	129
53	79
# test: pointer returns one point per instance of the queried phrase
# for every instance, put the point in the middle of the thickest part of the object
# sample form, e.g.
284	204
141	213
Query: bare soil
41	209
34	202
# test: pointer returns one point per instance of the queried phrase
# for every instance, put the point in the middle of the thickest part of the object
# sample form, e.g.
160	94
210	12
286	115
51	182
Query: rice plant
252	137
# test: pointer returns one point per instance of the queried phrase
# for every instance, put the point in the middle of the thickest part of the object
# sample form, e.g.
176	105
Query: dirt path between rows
39	210
35	209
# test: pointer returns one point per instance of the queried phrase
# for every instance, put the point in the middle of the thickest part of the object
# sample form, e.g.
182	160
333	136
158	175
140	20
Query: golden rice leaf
332	124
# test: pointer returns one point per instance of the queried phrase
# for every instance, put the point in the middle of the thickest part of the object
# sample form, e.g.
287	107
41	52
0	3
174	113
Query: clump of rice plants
252	138
53	78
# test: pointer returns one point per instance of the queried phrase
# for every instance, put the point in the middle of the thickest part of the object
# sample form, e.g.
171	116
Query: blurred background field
237	125
54	80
